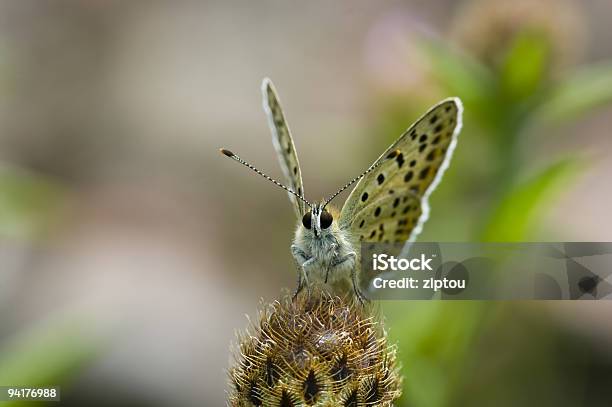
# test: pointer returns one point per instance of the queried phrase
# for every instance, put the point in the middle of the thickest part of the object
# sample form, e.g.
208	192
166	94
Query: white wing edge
445	163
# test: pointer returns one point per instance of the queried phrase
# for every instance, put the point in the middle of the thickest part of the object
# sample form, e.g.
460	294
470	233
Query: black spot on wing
424	172
380	179
432	155
400	160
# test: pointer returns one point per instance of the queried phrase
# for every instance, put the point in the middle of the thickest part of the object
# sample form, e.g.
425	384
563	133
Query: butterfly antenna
275	182
391	155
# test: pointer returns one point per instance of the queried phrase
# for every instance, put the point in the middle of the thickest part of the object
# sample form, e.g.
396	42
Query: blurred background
130	250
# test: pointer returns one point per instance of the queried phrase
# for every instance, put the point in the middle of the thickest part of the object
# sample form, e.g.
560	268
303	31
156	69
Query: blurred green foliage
48	354
523	204
493	193
28	202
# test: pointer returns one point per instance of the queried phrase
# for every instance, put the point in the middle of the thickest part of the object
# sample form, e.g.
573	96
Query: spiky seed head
317	351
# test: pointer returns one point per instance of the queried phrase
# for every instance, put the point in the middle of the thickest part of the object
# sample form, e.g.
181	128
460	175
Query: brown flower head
317	351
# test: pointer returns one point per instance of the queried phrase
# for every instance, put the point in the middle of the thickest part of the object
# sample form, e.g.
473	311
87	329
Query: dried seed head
322	351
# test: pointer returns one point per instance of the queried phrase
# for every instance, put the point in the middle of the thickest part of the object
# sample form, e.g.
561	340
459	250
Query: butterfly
388	204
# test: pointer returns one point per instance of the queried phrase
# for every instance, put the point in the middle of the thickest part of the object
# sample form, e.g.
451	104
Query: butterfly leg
301	281
348	261
303	263
362	298
332	247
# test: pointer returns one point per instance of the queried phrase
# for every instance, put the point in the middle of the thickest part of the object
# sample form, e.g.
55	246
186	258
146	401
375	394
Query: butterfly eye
307	220
326	219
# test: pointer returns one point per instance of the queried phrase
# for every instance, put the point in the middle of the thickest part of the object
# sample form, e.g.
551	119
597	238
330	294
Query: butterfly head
319	220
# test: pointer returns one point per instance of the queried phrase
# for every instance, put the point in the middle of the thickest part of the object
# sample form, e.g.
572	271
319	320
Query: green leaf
518	213
524	68
583	91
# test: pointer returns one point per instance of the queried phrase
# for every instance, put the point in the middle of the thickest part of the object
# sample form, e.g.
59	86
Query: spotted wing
390	203
284	146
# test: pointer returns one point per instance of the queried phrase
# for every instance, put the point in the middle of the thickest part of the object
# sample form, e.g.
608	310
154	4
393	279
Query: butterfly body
389	202
324	255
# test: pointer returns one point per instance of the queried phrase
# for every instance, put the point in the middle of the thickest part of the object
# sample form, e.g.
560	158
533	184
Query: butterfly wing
390	203
284	146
